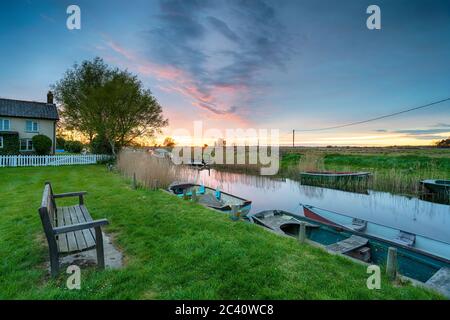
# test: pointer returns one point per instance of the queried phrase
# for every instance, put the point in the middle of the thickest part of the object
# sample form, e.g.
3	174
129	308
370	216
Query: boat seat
357	225
347	245
189	194
406	238
209	200
440	281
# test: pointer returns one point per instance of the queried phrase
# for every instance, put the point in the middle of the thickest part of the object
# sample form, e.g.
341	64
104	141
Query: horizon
251	64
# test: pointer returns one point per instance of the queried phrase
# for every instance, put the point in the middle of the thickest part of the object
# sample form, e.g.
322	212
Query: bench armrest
70	194
80	226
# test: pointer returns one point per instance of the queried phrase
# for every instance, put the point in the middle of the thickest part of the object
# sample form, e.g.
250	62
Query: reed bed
150	172
390	173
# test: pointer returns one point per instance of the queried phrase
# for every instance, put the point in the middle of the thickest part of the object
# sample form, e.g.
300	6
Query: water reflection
408	214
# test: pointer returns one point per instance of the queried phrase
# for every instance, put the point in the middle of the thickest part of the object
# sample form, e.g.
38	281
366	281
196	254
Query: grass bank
173	249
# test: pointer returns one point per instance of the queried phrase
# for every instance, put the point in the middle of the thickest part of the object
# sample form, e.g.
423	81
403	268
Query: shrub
42	144
73	146
100	145
60	143
10	144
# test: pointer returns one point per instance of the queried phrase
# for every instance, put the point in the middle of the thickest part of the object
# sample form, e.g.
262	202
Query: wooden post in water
134	183
302	232
391	264
234	212
185	194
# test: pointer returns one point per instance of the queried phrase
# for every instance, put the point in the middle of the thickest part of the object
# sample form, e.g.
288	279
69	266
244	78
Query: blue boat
212	198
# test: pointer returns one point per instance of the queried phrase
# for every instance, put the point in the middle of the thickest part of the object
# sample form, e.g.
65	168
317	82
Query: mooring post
391	264
302	232
234	212
185	194
134	184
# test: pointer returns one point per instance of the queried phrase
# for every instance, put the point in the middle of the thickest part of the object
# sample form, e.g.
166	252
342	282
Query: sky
251	63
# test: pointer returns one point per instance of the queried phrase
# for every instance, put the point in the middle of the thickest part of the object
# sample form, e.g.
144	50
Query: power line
377	118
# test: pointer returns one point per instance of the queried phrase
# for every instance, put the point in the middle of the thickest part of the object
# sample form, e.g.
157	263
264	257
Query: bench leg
99	246
54	261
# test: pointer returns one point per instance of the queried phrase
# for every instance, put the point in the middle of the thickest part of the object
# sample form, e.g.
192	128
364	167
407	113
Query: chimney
50	97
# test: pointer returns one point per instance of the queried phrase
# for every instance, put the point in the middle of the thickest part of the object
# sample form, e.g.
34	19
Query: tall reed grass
151	172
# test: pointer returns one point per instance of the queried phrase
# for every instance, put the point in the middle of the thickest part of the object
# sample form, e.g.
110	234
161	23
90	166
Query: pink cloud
213	101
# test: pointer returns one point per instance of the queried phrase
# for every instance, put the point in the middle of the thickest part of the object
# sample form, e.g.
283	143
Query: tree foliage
73	146
444	143
101	101
169	142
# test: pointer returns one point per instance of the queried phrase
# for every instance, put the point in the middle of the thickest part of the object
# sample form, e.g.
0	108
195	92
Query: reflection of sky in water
412	215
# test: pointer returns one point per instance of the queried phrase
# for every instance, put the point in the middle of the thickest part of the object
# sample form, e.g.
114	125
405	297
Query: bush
60	143
100	145
10	144
42	144
73	146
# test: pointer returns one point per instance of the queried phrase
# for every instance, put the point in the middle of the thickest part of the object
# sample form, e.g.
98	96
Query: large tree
98	100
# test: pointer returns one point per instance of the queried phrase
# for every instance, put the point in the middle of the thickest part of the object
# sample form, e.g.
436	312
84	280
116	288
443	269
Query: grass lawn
173	249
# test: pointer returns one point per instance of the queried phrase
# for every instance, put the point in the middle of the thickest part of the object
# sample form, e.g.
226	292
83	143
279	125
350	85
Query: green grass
174	249
408	162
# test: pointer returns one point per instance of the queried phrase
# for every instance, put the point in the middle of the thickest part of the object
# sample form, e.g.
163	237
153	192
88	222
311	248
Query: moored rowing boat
213	198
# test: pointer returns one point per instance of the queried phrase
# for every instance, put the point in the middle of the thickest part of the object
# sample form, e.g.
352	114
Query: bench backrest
48	210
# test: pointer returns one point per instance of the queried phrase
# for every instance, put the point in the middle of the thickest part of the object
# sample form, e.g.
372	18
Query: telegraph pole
293	138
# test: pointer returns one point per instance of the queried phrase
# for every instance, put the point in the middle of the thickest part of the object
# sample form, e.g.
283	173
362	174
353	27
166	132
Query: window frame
27	144
2	124
1	142
32	126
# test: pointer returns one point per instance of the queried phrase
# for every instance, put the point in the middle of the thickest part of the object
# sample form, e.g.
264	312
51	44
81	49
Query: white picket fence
57	160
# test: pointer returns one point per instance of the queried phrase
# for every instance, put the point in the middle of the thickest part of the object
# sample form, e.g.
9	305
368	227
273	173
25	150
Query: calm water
408	214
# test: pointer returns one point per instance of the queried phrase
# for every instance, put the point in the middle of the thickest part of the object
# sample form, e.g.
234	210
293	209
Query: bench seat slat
81	243
62	238
87	216
71	241
87	233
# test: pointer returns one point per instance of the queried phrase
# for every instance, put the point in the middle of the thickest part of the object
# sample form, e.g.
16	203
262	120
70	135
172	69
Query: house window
4	124
1	142
31	126
26	145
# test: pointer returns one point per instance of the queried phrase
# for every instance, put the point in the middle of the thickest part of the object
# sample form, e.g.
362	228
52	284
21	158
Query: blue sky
259	64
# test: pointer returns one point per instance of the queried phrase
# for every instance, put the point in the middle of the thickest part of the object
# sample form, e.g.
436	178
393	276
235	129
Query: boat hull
346	181
330	175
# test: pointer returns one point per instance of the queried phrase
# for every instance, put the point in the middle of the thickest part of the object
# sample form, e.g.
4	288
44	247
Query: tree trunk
113	148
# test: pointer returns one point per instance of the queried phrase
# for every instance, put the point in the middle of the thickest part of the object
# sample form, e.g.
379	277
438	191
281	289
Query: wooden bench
69	229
